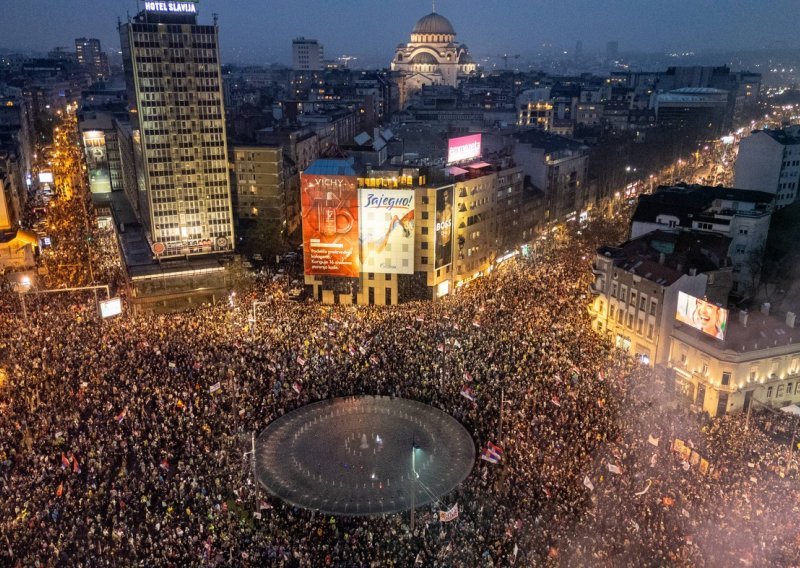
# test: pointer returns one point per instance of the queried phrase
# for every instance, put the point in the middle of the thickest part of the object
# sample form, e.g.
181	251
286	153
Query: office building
260	201
172	70
91	58
307	55
395	234
769	161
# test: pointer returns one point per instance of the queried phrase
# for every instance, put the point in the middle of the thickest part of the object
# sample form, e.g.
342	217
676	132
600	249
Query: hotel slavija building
172	71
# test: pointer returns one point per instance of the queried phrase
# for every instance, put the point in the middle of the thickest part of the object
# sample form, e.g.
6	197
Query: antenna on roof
434	5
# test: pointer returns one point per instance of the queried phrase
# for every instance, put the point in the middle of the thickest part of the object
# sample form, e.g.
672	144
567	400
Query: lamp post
414	477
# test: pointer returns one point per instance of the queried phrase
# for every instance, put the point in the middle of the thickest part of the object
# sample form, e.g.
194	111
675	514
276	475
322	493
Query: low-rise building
758	360
637	284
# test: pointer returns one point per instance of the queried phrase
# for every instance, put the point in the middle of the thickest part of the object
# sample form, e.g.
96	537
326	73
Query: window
388	277
371	295
371	276
741	249
726	379
742	231
424	245
704	370
424	215
611	311
653	305
613	289
769	392
423	260
650	329
642	303
630	321
424	230
683	358
633	298
388	296
639	327
623	294
779	393
788	389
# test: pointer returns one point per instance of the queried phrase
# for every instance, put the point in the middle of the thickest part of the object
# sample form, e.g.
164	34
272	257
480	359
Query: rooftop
663	257
761	332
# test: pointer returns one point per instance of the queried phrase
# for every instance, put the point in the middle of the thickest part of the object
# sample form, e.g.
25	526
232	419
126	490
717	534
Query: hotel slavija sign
189	7
330	225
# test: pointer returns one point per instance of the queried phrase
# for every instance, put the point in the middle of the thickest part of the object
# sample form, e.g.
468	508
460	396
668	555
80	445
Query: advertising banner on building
94	144
387	230
330	225
708	318
463	148
444	227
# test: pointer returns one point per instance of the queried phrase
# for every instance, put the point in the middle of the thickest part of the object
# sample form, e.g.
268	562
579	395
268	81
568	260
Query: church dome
433	24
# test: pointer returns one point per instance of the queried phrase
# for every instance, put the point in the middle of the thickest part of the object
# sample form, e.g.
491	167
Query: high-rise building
769	160
91	57
307	55
612	51
172	70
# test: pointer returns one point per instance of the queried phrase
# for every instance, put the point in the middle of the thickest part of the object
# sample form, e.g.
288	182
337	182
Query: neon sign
171	7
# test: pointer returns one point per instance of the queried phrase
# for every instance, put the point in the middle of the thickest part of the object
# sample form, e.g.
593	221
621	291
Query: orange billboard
330	225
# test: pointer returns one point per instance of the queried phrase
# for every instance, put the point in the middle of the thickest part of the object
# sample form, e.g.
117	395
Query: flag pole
502	404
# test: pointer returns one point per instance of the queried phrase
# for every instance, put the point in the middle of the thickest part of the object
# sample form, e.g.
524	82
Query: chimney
679	268
765	308
743	315
790	316
692	272
661	258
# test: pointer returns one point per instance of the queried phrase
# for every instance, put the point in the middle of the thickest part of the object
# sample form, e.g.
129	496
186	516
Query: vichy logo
383	200
328	182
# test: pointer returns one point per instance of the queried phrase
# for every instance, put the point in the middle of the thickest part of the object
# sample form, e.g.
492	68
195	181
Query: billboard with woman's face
708	318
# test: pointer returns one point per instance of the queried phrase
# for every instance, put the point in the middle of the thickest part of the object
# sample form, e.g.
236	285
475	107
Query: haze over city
255	31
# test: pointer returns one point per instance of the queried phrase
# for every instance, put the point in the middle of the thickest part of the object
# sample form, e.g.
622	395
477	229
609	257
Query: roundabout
356	456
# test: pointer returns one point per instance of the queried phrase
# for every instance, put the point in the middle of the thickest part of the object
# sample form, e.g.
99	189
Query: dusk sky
262	30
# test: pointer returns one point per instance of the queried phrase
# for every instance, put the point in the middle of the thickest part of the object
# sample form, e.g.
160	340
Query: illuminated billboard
463	148
94	146
387	230
444	227
708	318
45	177
330	225
112	307
161	7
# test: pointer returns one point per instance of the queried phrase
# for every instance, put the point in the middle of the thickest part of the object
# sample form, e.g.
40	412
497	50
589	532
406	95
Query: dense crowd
114	452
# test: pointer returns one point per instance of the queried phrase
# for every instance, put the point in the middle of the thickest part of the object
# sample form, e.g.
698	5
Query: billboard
444	227
329	206
112	307
387	230
94	145
708	318
463	148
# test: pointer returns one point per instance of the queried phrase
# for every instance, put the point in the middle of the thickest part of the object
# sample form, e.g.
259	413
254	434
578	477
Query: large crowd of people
115	452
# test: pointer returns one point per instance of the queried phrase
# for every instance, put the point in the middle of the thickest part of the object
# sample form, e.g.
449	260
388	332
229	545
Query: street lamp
414	478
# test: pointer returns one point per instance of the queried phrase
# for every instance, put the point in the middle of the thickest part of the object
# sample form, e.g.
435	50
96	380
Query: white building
307	55
172	69
432	57
769	161
759	359
742	215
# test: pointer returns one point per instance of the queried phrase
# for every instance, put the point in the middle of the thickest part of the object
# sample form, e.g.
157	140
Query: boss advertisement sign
330	225
444	227
387	230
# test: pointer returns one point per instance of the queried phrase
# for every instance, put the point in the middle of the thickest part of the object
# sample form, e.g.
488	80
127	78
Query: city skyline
253	33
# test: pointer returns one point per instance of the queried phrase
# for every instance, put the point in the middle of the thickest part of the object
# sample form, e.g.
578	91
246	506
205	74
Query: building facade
307	55
637	284
769	161
91	58
758	361
172	70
